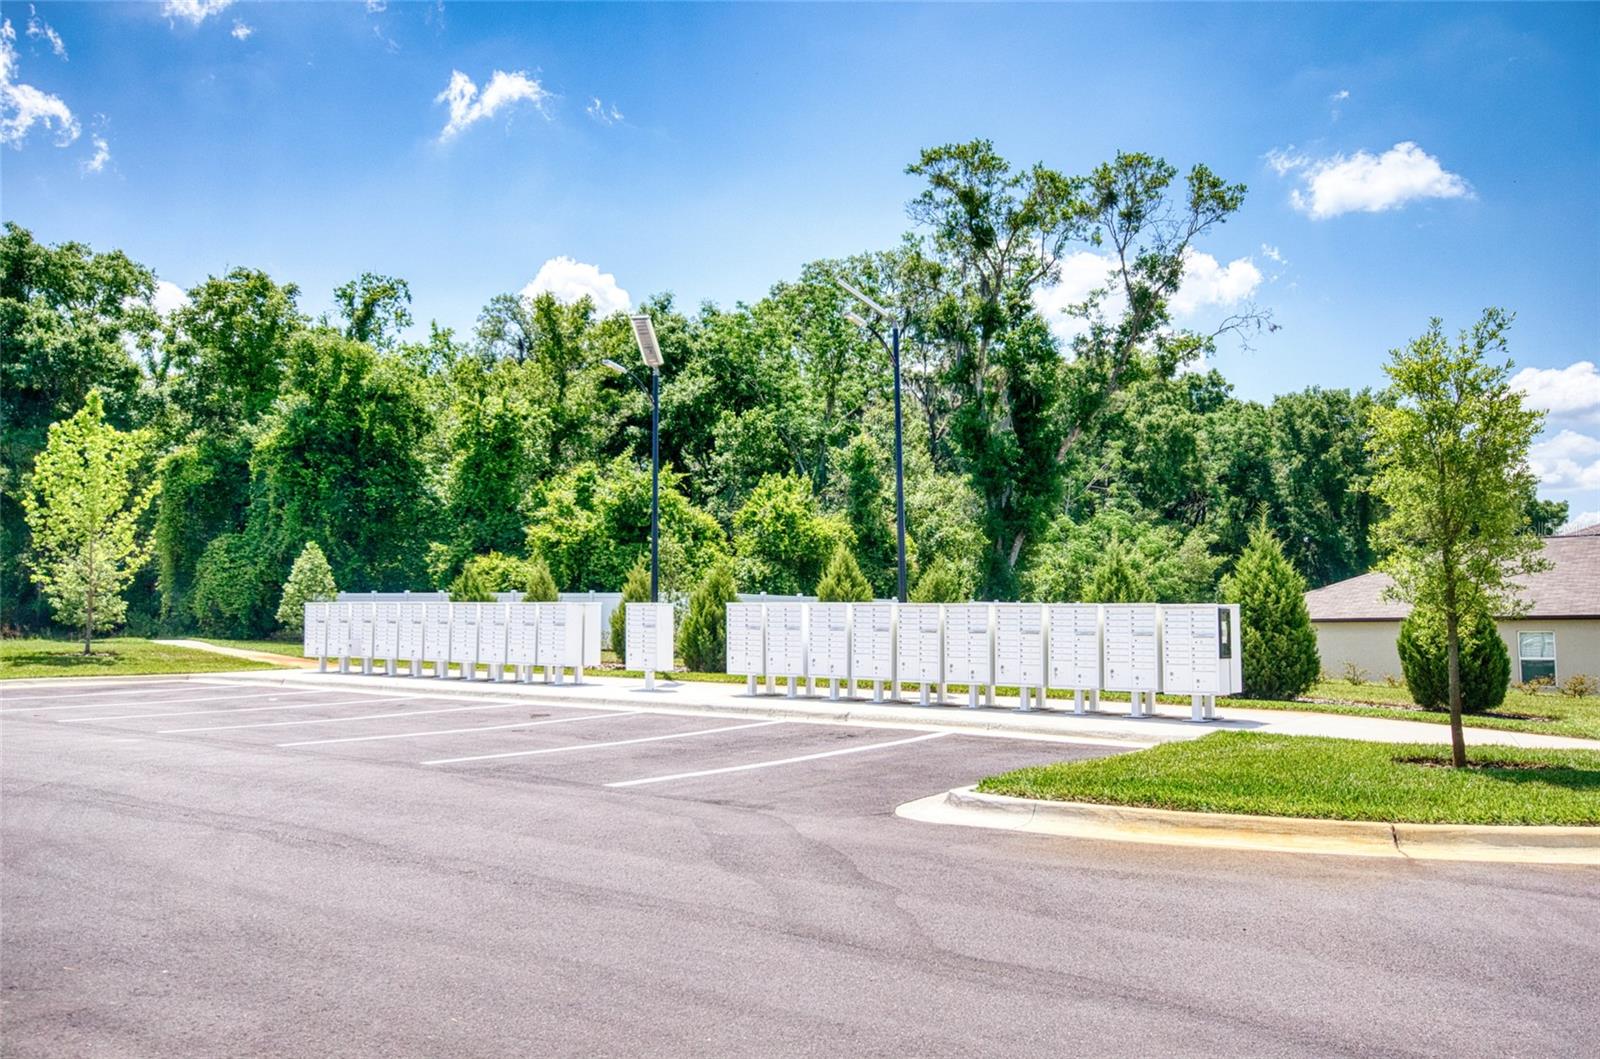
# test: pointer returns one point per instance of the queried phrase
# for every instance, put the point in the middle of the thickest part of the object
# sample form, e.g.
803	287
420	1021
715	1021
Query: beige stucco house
1557	635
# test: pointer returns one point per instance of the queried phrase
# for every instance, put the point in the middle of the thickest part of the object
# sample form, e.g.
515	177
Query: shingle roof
1569	589
1587	531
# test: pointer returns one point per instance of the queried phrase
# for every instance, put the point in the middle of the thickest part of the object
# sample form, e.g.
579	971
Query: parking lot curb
966	807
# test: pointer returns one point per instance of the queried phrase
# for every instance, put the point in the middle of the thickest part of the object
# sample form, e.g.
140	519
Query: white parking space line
601	746
780	761
462	731
341	720
159	702
232	709
109	689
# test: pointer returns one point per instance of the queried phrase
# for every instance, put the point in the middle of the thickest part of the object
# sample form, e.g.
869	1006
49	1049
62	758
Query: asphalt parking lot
229	868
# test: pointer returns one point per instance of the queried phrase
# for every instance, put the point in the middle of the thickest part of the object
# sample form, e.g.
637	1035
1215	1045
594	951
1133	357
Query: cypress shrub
472	586
939	583
843	581
703	637
1115	578
1425	661
310	581
636	589
1279	644
540	586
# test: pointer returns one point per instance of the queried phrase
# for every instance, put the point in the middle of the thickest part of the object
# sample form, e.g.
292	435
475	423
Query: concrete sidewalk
1171	723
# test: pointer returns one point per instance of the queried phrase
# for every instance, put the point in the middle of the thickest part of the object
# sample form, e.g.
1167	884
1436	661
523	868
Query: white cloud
102	155
1569	460
193	12
1572	392
468	105
570	280
38	27
241	30
1207	283
24	106
603	114
376	7
1340	96
168	296
1272	253
1366	183
1581	520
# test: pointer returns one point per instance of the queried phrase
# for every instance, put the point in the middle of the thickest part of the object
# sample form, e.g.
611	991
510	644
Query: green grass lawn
292	648
1522	711
118	656
1340	779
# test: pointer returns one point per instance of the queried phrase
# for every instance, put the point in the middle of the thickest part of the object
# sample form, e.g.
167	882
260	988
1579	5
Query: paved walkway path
242	652
1170	723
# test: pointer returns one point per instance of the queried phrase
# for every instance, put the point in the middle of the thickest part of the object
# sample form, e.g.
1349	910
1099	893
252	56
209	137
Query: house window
1536	655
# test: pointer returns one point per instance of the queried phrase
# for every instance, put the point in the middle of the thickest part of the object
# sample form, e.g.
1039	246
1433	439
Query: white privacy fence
521	637
1141	648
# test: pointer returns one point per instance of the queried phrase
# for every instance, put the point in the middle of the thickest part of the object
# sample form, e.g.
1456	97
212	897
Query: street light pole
655	485
896	328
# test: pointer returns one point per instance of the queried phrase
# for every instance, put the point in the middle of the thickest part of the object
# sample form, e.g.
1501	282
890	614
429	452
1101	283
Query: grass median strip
117	656
1334	779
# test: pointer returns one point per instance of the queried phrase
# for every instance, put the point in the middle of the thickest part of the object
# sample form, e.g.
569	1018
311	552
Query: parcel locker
436	637
746	641
315	634
918	644
786	642
648	637
1019	646
1200	650
872	642
492	636
386	634
828	643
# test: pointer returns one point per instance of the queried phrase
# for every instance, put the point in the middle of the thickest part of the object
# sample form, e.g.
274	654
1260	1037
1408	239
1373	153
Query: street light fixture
893	349
644	333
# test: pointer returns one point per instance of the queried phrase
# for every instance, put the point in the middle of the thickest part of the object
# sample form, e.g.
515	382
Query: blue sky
1403	161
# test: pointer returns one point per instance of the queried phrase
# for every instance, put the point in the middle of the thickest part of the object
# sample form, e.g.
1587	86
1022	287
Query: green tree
375	308
1485	664
233	588
500	572
1178	567
636	589
471	586
228	349
310	581
869	508
1116	578
782	538
1279	644
67	316
1451	449
939	582
703	637
83	509
843	581
540	587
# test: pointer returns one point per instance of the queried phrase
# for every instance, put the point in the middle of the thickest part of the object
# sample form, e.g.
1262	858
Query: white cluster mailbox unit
969	648
464	619
1075	650
339	634
522	637
918	647
648	639
315	634
1132	650
386	634
436	637
359	645
746	642
1200	654
872	645
828	646
786	643
409	635
569	637
493	634
1019	648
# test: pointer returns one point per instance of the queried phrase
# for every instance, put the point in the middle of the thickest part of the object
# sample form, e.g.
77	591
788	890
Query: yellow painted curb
964	806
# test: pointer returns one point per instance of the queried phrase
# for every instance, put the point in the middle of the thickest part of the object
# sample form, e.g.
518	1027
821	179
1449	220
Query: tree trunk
1458	744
